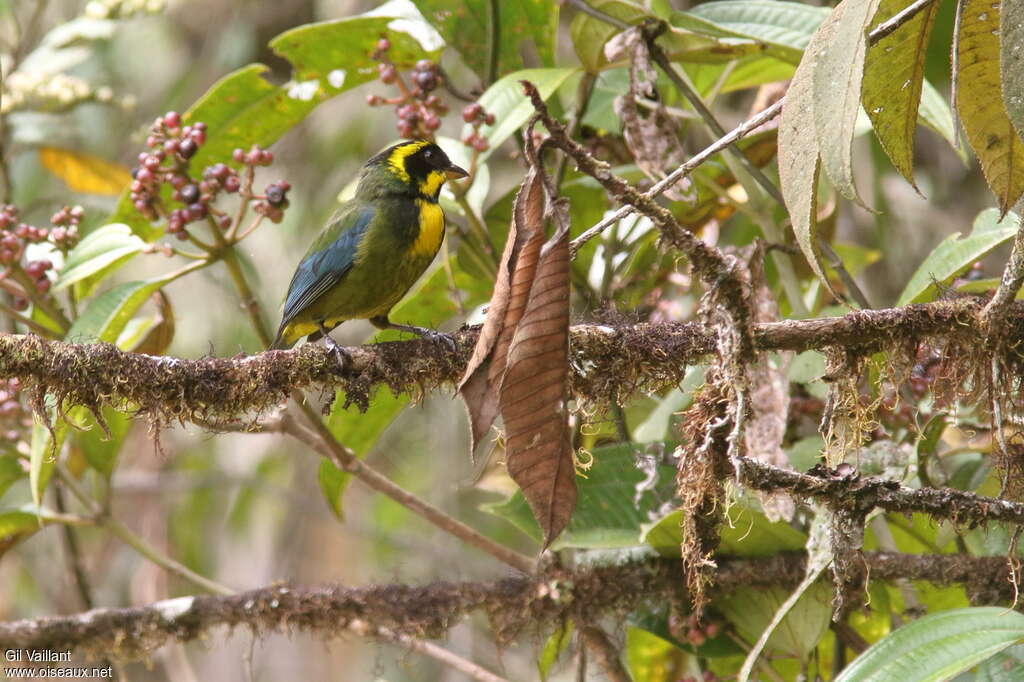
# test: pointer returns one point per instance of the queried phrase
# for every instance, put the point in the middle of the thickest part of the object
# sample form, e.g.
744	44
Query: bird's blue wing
327	261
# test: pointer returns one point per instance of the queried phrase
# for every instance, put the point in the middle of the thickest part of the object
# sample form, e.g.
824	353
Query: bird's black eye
429	154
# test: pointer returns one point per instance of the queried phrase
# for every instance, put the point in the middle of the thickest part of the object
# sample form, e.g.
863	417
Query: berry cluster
475	115
172	145
692	630
14	418
419	112
16	235
64	233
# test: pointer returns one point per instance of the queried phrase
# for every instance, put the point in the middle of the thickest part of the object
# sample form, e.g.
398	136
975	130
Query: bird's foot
341	356
422	332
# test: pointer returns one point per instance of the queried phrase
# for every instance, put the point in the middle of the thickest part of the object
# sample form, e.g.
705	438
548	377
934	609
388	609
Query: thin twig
321	440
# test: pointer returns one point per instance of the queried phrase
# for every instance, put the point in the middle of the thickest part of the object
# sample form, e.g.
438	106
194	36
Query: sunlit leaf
838	74
100	253
511	108
893	78
84	172
106	315
991	134
555	645
954	255
466	27
938	646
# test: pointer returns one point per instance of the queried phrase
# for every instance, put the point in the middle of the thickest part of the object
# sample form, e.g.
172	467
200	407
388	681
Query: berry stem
247	231
43	302
244	193
25	320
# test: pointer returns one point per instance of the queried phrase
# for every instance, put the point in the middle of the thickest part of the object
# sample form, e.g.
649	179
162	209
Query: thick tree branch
512	604
608	362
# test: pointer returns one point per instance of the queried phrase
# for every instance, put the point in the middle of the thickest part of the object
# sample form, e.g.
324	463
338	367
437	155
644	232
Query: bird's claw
341	356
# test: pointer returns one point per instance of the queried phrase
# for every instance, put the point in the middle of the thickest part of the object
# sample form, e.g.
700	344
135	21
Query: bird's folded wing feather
327	261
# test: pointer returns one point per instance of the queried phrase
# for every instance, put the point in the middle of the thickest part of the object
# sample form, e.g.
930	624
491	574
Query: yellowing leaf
893	78
989	131
84	172
838	73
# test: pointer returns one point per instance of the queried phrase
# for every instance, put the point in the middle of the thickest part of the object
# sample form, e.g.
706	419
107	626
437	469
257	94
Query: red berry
172	119
198	136
471	112
388	73
224	222
374	100
489	119
20	304
232	184
238	155
145	176
383	45
196	211
431	123
43	284
152	141
171	146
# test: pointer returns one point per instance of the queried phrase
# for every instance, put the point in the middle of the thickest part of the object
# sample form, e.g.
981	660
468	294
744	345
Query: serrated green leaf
99	253
938	646
784	28
506	100
984	117
107	314
606	515
954	255
1011	62
838	74
893	79
466	27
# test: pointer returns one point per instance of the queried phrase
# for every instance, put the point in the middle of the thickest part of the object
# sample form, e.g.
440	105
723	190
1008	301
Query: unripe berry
232	184
471	111
489	119
374	100
383	45
43	284
238	155
431	123
172	119
388	73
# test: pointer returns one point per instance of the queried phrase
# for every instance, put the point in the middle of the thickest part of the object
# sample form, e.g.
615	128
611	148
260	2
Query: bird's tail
284	340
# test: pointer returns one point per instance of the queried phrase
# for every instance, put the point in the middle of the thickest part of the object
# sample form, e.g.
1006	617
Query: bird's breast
431	231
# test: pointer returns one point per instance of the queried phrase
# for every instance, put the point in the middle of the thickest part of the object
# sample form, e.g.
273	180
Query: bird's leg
340	354
382	322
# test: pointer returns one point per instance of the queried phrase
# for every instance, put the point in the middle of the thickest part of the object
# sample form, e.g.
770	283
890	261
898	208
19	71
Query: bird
373	249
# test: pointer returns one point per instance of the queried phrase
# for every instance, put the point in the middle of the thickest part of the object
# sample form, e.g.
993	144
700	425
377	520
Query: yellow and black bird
374	248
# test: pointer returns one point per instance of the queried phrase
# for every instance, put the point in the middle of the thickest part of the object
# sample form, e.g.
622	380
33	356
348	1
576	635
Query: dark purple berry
188	148
189	194
232	184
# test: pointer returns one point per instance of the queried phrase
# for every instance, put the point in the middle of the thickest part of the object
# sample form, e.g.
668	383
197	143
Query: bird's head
416	167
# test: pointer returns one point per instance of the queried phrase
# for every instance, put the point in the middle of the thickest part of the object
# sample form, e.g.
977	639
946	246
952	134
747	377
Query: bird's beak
453	172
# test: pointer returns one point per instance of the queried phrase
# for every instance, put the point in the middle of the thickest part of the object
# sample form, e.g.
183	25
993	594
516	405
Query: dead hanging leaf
538	448
520	364
482	380
769	397
652	137
989	129
84	172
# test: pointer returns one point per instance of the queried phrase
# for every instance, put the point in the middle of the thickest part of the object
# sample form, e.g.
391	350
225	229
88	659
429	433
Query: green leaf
954	255
107	314
44	448
799	163
1011	62
784	28
938	646
936	115
893	78
607	514
752	609
589	35
654	428
15	526
838	74
466	27
11	471
506	100
650	656
100	253
557	643
100	450
984	117
429	303
749	533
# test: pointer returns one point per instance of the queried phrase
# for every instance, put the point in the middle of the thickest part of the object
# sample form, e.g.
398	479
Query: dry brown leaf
653	136
538	448
482	379
85	173
769	397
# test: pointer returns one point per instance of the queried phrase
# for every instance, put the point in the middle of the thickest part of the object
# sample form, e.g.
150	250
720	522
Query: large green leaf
938	646
838	75
609	510
506	100
954	255
98	254
749	533
466	27
589	35
428	304
751	609
893	78
107	314
784	28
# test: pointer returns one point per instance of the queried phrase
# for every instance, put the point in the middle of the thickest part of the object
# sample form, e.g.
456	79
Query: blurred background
245	509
